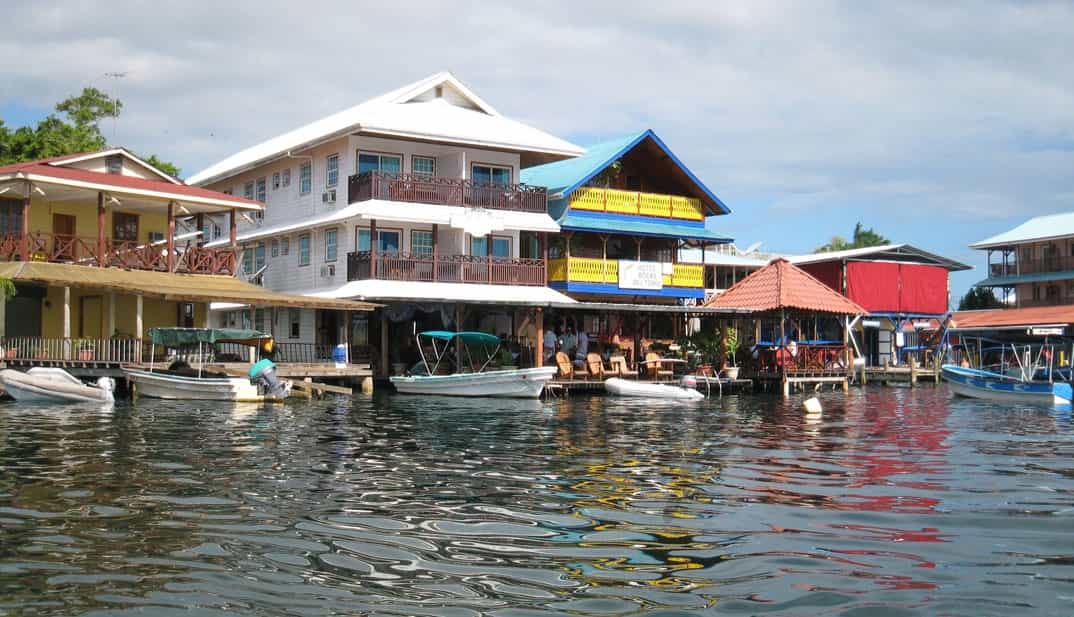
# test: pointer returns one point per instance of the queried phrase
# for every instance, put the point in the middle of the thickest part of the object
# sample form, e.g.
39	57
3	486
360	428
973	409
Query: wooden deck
707	385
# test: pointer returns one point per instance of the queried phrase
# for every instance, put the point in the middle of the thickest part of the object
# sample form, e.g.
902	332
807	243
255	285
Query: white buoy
812	405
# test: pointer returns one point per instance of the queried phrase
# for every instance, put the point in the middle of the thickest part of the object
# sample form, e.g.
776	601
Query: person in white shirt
582	349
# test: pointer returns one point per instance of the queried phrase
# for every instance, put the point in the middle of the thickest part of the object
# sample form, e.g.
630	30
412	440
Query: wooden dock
707	385
907	373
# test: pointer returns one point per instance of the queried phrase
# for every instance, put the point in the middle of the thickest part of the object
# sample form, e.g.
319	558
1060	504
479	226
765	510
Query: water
893	502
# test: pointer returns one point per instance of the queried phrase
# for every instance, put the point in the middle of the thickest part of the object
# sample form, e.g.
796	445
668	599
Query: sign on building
641	275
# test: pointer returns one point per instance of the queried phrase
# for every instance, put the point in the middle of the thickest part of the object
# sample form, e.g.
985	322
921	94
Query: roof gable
74	160
564	177
886	252
1045	227
782	285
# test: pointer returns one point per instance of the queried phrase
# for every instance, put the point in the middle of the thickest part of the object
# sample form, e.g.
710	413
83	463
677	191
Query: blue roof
1036	228
1014	279
563	177
626	224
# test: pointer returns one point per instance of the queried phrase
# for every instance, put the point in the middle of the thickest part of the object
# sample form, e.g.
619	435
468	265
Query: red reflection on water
925	534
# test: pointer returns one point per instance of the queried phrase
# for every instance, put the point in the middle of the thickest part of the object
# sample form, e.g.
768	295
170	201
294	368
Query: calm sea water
892	502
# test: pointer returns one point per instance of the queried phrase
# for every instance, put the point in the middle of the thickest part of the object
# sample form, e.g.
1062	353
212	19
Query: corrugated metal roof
999	318
563	177
895	252
1014	279
1037	228
716	258
782	285
576	221
473	293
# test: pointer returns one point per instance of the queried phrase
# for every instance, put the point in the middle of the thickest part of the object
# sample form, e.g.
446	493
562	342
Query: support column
24	232
200	222
205	319
373	242
383	344
3	317
540	338
544	254
488	258
102	246
111	315
66	323
233	240
458	345
170	238
347	334
436	253
138	333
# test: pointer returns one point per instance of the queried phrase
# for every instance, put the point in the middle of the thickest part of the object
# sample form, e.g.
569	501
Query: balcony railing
80	250
445	268
633	202
37	349
445	192
1053	301
590	270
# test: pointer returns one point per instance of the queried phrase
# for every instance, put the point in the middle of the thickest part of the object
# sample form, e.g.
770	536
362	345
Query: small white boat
626	387
55	385
976	383
159	384
507	383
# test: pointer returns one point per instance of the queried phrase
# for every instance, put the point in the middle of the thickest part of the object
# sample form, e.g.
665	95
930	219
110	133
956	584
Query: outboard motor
688	381
263	374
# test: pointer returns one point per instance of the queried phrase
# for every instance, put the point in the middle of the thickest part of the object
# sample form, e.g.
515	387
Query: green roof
576	221
1015	279
174	337
466	337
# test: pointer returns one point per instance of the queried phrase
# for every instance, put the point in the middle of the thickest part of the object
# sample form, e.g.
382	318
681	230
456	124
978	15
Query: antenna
116	75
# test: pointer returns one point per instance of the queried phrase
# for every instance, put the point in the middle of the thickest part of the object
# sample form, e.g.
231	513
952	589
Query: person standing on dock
582	349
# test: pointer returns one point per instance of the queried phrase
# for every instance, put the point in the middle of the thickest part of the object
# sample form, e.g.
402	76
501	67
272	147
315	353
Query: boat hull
625	387
520	383
179	387
51	385
973	383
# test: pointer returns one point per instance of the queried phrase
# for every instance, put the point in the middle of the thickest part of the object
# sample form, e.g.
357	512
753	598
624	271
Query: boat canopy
175	337
466	337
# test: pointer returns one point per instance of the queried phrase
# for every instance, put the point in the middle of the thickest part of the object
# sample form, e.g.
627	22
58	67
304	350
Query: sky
936	124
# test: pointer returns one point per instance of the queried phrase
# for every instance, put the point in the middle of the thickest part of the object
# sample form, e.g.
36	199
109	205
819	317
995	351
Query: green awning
1015	279
176	337
467	337
662	228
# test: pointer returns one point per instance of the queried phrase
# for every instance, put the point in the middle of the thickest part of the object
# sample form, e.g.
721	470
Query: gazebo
811	350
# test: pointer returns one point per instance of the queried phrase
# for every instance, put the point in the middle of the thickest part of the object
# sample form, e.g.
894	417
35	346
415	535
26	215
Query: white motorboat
196	384
479	382
640	389
55	385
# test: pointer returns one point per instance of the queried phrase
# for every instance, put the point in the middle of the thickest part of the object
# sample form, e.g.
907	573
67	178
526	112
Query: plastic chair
595	365
654	364
566	369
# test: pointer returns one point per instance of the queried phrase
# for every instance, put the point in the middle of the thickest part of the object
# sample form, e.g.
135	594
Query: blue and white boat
977	383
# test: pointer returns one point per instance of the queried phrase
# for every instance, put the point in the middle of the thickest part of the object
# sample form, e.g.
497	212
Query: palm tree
862	238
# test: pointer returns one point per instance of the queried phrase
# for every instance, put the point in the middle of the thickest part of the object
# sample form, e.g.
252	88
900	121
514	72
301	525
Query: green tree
862	238
979	298
73	128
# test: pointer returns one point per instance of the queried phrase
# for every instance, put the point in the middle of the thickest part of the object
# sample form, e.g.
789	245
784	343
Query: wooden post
170	239
913	371
111	315
233	229
373	248
138	334
488	257
102	246
544	255
24	232
202	239
436	253
540	338
458	344
66	323
3	318
347	334
384	371
604	258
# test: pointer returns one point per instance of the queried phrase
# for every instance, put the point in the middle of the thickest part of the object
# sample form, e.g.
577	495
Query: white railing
25	348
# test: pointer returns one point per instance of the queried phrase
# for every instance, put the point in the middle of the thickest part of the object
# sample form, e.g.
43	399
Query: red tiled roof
998	318
782	285
121	182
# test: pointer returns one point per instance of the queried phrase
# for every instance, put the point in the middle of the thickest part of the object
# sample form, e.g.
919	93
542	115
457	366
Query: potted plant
85	348
731	345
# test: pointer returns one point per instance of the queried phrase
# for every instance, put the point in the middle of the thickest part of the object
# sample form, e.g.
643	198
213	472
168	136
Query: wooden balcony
1058	263
445	269
55	248
589	270
445	192
642	204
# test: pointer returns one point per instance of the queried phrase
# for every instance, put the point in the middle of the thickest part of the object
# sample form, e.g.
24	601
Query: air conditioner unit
328	271
329	196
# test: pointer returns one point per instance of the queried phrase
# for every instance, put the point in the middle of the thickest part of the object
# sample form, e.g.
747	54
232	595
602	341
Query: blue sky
936	124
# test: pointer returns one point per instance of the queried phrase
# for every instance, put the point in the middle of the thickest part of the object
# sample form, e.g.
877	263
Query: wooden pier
707	385
909	373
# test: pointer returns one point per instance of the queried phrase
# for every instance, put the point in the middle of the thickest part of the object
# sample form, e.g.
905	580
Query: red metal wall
885	287
924	289
829	272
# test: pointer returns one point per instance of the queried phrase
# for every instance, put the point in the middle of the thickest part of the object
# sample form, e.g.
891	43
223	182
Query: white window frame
286	177
274	247
248	190
309	249
492	238
509	168
394	155
275	180
305	178
262	189
294	325
432	242
421	157
335	245
285	246
331	171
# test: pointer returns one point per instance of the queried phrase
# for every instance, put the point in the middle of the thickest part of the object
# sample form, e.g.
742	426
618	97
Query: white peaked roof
437	108
1038	228
889	252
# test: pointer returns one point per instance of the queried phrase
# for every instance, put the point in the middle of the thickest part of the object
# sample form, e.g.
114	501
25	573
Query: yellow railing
633	202
590	270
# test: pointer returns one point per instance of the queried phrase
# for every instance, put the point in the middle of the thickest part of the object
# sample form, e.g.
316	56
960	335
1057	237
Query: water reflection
891	500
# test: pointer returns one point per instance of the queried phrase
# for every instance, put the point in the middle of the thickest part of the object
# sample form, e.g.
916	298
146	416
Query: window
186	315
331	170
274	248
305	178
261	193
388	240
10	217
248	190
259	256
285	247
286	177
304	250
423	166
501	246
489	174
248	261
421	242
387	163
276	181
217	231
113	164
295	331
124	227
330	238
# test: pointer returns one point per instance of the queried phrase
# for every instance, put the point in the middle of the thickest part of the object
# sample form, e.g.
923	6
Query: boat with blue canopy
1010	369
460	366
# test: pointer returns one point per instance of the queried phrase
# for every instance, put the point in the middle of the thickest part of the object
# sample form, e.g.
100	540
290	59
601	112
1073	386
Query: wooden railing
445	191
81	250
37	349
445	268
590	270
633	202
1057	263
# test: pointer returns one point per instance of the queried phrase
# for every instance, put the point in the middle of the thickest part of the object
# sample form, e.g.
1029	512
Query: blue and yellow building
626	209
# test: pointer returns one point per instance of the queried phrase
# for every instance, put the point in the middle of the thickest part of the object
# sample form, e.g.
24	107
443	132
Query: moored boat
55	385
479	381
640	389
977	383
